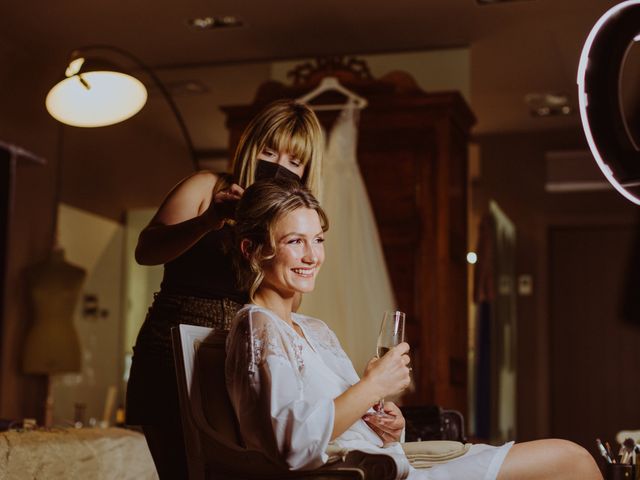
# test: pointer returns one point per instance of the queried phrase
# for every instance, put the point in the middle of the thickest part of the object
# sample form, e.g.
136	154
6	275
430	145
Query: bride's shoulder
254	314
321	332
312	322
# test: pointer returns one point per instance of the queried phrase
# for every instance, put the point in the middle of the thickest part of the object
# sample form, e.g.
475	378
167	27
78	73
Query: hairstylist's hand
389	426
223	206
389	375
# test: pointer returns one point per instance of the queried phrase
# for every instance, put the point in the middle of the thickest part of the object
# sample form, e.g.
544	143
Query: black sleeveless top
205	270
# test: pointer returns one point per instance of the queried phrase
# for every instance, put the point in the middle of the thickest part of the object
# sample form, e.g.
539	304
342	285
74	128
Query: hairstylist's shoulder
198	184
188	199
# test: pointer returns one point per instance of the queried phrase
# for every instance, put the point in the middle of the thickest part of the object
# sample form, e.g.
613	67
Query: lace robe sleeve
265	374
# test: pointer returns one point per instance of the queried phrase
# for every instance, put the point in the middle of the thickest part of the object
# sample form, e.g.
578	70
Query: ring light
599	97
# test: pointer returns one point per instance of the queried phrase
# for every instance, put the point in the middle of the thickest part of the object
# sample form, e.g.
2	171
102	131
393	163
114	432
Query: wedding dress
282	386
353	288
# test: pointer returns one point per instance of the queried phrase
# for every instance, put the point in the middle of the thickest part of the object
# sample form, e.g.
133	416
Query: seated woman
293	388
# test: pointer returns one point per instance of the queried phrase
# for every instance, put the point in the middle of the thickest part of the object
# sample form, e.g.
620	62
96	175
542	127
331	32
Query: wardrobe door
449	239
396	166
390	169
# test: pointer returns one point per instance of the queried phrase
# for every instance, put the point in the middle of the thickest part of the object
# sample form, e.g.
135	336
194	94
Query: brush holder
618	471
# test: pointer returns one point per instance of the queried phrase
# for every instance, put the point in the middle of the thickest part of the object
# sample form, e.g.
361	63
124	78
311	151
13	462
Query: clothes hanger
332	83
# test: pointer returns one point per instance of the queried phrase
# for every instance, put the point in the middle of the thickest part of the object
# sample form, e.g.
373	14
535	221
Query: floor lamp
95	92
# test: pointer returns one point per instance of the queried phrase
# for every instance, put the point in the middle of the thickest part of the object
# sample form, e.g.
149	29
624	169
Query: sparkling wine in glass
391	334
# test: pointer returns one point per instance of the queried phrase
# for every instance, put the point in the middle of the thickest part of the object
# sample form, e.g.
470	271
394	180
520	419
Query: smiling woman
299	253
294	390
280	241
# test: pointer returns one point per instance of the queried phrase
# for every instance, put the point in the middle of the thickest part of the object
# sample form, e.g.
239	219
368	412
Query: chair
431	422
212	440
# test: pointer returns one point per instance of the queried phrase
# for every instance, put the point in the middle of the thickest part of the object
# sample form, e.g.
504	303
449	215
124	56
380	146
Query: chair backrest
211	432
210	401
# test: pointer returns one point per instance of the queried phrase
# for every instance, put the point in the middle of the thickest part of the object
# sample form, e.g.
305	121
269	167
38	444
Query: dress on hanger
353	288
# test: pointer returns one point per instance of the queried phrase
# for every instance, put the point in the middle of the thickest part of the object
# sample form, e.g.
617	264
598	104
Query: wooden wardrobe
412	151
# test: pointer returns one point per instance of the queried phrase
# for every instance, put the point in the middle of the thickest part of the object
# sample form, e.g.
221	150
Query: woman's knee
551	458
569	453
569	459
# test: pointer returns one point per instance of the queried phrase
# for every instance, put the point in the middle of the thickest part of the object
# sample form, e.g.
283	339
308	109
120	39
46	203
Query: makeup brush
623	456
630	450
610	452
602	450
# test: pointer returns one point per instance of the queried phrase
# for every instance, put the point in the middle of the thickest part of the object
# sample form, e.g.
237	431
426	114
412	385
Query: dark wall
124	166
24	122
513	173
104	171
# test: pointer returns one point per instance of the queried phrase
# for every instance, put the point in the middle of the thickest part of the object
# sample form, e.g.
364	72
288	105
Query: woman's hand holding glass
389	375
389	426
391	334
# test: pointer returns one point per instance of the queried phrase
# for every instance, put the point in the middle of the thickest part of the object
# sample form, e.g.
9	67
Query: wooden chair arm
356	466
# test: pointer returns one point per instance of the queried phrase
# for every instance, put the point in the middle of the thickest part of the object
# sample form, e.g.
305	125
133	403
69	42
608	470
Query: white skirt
481	462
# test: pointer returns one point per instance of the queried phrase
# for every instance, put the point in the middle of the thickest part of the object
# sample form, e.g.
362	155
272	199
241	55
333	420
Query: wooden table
69	454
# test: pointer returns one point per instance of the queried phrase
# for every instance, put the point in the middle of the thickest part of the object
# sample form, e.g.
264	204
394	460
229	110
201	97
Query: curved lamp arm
163	90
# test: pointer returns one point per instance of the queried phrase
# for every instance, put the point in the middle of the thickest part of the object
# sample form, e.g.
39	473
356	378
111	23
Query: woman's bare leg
553	459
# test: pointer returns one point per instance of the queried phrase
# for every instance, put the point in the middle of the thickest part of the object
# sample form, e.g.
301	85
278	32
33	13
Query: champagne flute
391	334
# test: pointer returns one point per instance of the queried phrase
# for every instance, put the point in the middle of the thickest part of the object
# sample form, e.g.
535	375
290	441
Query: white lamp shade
111	98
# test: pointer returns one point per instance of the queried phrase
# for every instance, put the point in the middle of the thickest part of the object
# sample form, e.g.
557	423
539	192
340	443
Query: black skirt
152	392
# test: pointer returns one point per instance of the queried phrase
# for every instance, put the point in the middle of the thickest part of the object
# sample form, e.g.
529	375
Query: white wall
95	244
140	283
434	70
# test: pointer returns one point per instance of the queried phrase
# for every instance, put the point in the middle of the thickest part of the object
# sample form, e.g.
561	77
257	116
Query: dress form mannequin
52	344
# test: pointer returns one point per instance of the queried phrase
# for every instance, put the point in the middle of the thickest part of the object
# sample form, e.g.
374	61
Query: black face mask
270	170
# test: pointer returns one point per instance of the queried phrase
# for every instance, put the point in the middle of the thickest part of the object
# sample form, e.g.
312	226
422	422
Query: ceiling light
542	111
210	23
490	2
548	104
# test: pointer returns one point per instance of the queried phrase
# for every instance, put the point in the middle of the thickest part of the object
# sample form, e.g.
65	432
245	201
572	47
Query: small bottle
120	416
79	411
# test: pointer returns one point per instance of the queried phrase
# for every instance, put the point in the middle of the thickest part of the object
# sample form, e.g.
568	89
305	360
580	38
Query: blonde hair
262	205
285	126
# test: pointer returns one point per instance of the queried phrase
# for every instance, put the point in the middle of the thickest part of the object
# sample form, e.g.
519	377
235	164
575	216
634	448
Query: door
595	351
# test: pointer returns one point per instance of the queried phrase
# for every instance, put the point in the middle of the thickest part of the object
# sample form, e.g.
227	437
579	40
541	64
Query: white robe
282	388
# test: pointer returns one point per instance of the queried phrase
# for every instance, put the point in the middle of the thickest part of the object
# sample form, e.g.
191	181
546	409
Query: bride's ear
246	247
